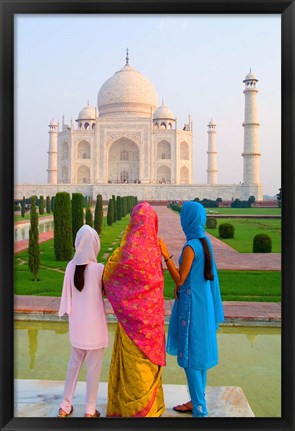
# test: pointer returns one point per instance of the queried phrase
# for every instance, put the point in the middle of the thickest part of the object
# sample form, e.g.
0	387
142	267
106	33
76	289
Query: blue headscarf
193	219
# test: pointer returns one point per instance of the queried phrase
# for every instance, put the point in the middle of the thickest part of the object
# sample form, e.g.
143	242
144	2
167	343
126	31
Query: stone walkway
226	257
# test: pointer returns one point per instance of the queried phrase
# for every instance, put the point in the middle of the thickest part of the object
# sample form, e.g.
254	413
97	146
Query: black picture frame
11	7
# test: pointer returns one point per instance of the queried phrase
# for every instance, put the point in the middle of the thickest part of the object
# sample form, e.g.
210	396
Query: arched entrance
123	161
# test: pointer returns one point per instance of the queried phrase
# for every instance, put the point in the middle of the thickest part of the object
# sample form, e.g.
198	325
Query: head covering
87	245
134	281
193	219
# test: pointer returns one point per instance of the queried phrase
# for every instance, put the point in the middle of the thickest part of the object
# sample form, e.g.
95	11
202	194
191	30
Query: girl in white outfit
82	300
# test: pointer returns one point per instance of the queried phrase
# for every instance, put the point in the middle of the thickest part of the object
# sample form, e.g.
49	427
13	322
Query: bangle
170	257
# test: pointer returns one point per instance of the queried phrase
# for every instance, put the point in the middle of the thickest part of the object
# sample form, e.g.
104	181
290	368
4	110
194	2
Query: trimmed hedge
62	216
33	248
211	223
77	213
98	214
262	243
226	230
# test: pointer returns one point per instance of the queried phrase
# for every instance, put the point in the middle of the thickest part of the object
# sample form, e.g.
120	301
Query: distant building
128	140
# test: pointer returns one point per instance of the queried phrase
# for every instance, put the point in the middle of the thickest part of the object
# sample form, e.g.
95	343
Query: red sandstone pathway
226	257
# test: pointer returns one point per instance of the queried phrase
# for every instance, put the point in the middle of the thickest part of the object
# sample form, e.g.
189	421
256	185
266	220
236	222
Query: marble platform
41	398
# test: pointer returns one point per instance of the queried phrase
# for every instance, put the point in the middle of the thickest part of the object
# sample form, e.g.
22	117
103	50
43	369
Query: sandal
63	414
96	414
184	408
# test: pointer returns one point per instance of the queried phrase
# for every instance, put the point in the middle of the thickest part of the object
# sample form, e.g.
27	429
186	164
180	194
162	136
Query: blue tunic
196	314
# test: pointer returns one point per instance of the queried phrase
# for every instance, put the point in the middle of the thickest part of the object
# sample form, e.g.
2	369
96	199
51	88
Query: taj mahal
130	145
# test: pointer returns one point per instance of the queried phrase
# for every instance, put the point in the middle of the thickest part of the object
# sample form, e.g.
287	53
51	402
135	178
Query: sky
197	64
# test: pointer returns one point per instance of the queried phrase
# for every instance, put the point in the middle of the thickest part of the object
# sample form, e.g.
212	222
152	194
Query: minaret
52	153
212	154
251	152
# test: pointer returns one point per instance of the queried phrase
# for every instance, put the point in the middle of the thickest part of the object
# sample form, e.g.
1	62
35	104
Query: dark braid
79	277
208	274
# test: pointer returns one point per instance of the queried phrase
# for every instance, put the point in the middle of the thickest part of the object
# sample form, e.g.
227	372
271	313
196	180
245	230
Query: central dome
127	92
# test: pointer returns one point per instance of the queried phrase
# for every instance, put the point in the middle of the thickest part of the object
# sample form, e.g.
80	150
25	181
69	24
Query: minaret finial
88	102
127	56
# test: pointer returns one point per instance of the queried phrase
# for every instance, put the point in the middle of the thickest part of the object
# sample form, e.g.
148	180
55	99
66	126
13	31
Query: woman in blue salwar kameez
197	310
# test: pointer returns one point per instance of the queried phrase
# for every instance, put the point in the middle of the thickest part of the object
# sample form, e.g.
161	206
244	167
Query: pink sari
134	281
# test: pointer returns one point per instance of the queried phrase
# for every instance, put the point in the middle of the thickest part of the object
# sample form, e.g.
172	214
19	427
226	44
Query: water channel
249	357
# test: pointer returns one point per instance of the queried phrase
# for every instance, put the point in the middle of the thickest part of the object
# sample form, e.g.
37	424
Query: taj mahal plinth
130	145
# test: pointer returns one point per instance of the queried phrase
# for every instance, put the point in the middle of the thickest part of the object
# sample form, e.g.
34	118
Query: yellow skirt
135	383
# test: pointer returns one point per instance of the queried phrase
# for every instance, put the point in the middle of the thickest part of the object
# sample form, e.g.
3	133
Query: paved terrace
170	230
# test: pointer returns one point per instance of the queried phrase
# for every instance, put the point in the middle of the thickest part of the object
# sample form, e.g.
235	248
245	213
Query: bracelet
170	257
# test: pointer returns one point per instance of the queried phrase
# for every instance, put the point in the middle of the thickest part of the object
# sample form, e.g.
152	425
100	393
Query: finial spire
127	56
162	102
88	102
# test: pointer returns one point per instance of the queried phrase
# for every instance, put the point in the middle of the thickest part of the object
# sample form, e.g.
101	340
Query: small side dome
163	113
250	77
211	123
87	113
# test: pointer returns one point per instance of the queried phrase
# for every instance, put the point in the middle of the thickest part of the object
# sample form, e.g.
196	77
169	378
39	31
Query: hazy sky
196	62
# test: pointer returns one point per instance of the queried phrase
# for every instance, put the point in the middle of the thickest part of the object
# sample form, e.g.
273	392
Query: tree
110	214
41	205
115	208
62	215
33	249
23	206
119	207
88	216
251	200
52	203
77	213
98	214
48	209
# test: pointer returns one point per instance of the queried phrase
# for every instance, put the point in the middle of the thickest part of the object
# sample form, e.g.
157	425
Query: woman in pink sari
134	282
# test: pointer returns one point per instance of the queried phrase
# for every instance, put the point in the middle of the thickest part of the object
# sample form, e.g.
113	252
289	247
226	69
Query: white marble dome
163	113
127	92
87	113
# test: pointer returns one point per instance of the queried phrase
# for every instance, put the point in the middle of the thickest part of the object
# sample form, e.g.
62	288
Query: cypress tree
41	205
110	214
23	203
88	216
115	208
52	203
33	249
48	204
62	215
119	208
98	214
77	213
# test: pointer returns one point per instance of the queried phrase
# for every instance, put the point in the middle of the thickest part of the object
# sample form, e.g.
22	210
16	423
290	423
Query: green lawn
246	229
235	285
244	211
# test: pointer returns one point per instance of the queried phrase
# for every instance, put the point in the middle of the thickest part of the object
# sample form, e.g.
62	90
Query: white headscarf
87	245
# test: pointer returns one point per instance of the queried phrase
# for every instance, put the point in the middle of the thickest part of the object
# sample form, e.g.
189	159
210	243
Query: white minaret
212	154
52	153
251	152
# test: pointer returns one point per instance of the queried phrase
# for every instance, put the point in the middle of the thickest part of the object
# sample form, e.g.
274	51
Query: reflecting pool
249	357
21	231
